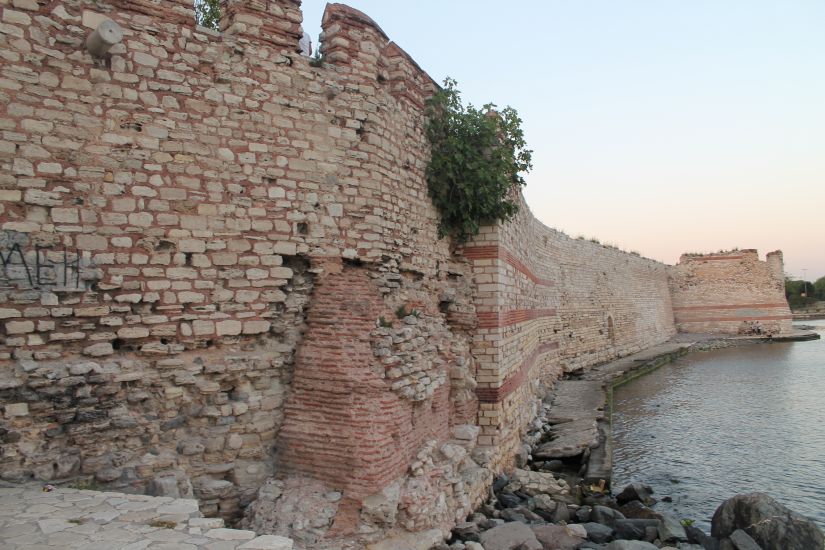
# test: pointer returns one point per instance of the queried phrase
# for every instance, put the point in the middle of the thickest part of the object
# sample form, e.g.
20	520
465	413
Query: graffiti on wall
35	267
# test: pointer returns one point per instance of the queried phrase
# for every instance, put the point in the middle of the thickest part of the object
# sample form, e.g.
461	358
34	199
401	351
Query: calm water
724	422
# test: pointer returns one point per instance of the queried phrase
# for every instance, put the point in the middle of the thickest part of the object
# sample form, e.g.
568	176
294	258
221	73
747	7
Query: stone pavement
32	519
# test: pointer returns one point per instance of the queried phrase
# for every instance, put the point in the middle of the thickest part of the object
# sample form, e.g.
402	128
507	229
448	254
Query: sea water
718	423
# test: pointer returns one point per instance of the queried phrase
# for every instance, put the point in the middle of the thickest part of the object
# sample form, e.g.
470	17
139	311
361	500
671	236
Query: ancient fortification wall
168	214
730	292
221	276
549	304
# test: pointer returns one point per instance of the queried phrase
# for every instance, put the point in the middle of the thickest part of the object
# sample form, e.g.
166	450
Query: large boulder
670	529
633	529
510	536
605	516
772	525
636	491
636	510
557	537
598	533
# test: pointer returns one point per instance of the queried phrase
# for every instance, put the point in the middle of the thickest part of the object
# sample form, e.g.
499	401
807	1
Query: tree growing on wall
478	158
208	13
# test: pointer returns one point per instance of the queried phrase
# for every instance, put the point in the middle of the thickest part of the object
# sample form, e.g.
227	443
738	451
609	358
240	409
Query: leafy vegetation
317	59
208	13
478	158
804	293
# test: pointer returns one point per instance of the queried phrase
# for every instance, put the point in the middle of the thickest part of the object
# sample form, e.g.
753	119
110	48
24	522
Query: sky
659	126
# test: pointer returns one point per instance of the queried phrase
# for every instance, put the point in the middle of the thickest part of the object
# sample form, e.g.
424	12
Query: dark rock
508	500
510	536
671	529
636	510
697	536
477	518
743	541
583	514
630	545
562	514
492	523
636	491
553	466
487	509
556	537
500	483
542	503
605	516
510	514
467	531
522	495
651	533
772	525
598	532
527	513
633	529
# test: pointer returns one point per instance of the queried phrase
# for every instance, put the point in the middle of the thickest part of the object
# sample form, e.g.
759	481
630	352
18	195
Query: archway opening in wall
611	329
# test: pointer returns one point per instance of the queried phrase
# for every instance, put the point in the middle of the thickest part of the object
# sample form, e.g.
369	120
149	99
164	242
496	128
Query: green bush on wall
478	158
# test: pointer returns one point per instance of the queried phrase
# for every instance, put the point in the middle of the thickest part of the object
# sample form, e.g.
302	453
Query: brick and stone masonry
221	277
730	292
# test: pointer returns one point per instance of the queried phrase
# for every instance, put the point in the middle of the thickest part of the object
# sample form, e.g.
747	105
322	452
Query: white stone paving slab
67	519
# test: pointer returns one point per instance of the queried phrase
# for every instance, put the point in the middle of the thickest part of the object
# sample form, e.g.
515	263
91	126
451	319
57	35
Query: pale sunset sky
660	126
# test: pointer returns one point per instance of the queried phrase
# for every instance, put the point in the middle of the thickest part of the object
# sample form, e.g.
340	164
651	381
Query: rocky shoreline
559	497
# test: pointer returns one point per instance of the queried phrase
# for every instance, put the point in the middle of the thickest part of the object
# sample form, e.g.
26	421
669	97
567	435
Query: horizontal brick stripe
494	252
499	319
749	318
497	395
730	306
715	258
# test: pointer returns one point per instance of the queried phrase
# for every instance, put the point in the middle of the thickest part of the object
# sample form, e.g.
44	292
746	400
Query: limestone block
256	327
101	349
228	328
16	409
133	332
19	327
6	313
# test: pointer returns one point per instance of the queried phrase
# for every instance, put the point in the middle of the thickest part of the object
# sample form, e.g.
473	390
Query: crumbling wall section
730	293
165	212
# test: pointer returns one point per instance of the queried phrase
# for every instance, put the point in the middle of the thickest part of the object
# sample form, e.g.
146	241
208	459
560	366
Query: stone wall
730	292
171	214
548	304
221	277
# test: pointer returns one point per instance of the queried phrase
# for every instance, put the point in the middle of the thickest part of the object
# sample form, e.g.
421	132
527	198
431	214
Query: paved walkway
32	519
